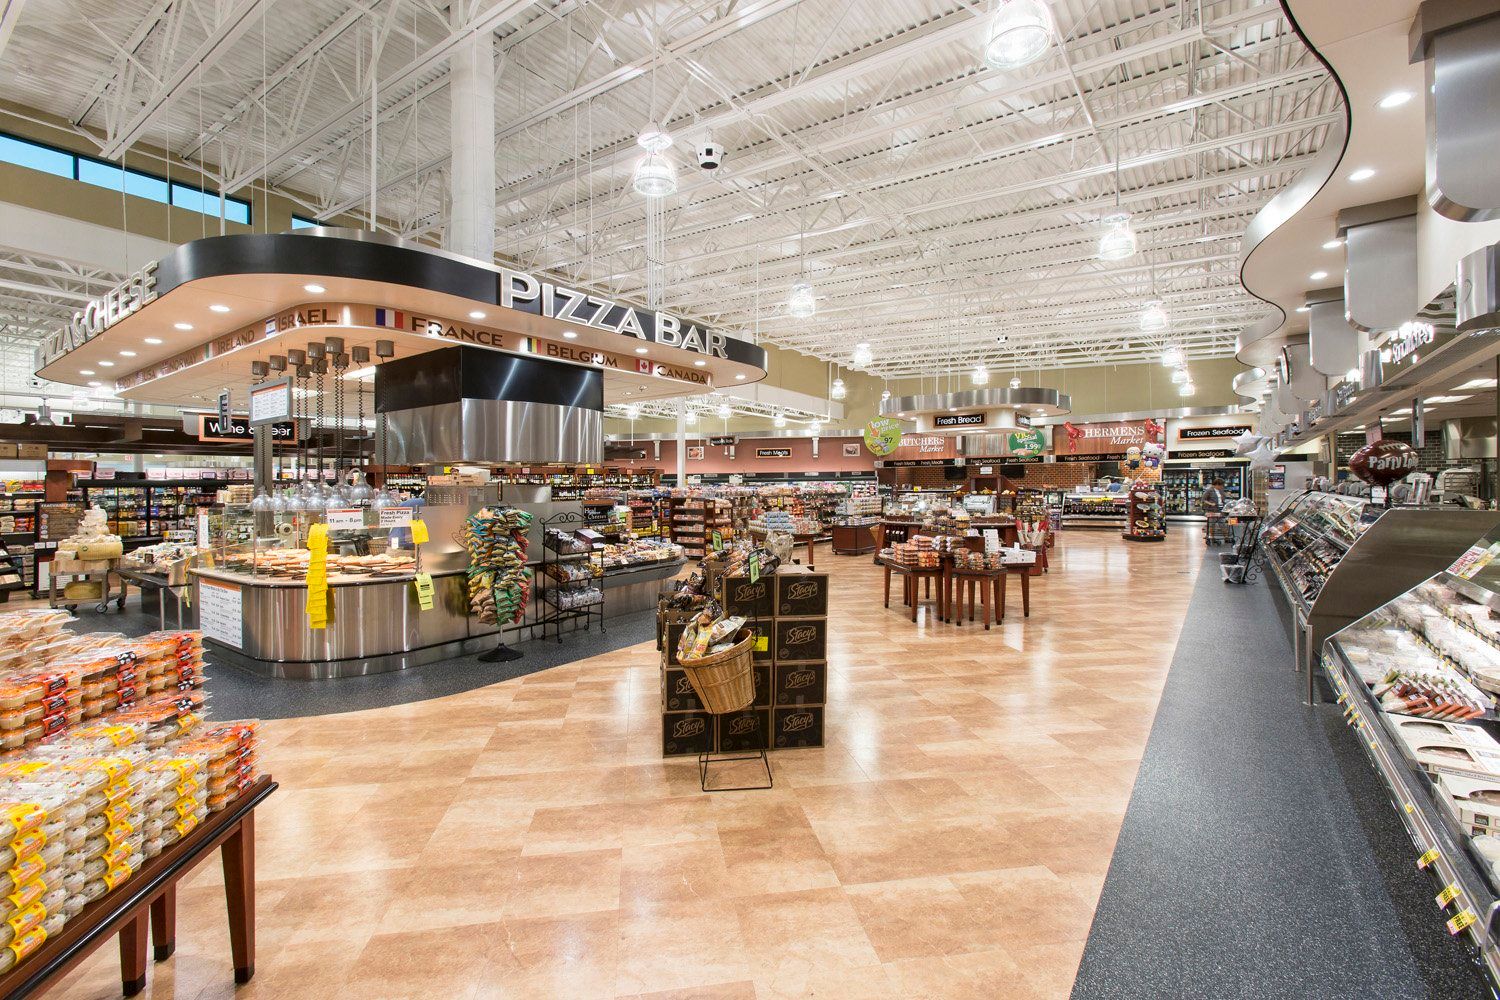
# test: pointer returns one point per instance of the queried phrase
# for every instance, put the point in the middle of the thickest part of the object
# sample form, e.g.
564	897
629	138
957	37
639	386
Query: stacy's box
801	593
678	694
749	600
801	639
800	726
686	732
801	683
749	729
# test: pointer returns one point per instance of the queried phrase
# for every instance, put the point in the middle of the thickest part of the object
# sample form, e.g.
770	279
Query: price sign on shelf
755	567
718	542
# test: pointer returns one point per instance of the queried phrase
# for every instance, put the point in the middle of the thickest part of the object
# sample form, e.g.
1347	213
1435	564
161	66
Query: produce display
499	582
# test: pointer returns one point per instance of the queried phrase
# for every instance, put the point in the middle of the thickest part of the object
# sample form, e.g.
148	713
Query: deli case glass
1417	679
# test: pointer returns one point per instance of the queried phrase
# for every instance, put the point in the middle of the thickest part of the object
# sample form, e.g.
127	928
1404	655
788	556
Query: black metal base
705	759
501	654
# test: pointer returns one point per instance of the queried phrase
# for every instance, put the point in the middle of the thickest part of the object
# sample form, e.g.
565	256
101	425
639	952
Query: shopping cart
1216	528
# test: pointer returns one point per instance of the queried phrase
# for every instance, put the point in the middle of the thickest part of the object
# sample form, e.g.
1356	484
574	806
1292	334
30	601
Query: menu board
221	612
57	520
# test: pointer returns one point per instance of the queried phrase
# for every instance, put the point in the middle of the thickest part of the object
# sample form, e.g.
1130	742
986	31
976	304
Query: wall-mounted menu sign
958	420
773	453
211	429
1206	433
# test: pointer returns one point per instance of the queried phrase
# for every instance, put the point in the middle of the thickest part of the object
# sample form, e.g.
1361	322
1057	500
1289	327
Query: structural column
471	92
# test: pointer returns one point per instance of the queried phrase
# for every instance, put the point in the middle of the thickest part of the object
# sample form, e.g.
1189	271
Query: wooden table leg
985	593
239	890
916	594
1026	593
811	540
888	586
1000	581
164	924
133	954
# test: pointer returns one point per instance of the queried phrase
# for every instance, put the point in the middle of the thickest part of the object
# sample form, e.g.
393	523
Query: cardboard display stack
789	612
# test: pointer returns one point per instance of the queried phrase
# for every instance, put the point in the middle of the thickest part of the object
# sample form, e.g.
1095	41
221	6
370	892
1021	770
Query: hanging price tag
1462	919
1429	857
718	542
424	591
762	643
418	532
755	567
1448	895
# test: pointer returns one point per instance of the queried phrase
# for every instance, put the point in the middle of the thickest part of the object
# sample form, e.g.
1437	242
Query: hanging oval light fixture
780	420
1186	389
691	418
1118	241
1015	383
632	412
885	395
1020	33
1154	317
815	428
838	390
1180	376
723	411
655	177
980	375
1171	356
803	302
862	356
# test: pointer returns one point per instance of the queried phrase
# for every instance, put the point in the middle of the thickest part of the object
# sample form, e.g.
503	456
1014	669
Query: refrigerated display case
1417	678
1182	488
142	510
1337	558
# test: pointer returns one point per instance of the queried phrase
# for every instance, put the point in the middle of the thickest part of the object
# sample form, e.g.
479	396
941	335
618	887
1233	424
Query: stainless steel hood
494	431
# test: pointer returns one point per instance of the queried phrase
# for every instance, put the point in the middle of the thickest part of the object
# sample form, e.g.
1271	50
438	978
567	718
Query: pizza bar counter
374	623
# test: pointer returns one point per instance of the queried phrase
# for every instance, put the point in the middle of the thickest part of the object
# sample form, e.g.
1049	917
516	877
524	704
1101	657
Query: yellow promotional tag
424	591
762	643
1461	920
317	577
418	532
1429	857
1448	895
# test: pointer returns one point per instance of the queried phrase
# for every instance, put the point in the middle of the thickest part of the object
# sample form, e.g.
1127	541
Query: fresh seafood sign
1384	462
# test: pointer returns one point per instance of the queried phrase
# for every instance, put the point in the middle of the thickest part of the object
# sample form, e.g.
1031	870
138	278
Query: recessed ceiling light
218	308
106	364
85	371
153	340
1362	174
699	364
95	385
1317	275
315	289
1303	309
1394	99
127	354
740	377
569	334
182	326
640	350
476	314
1333	244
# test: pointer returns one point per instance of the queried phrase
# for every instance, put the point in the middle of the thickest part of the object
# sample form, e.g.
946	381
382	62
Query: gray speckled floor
1259	856
236	693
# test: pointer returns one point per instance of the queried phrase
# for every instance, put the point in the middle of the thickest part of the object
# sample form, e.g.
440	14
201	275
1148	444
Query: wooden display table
912	579
151	895
990	584
854	539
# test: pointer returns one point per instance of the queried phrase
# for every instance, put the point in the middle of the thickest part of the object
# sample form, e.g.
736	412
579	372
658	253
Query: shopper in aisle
1213	511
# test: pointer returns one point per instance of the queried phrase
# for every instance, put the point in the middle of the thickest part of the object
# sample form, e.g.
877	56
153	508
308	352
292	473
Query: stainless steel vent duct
1459	41
1380	275
1333	345
1478	288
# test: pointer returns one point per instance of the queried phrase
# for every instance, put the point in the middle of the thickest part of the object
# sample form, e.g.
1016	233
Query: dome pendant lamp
1020	34
1118	242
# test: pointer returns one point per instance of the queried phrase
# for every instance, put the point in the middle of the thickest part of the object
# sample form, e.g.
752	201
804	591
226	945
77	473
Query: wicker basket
724	681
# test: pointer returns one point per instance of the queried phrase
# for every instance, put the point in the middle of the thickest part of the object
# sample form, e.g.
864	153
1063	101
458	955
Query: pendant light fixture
1015	382
1154	318
885	394
632	412
655	177
780	420
691	418
1020	33
1118	241
815	428
1186	389
862	357
838	389
980	375
1171	356
803	302
1180	376
723	411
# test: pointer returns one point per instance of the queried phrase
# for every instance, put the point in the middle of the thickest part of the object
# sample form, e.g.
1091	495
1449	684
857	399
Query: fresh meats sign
1110	438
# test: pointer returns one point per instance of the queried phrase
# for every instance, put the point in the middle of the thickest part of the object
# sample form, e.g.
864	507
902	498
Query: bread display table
151	895
913	578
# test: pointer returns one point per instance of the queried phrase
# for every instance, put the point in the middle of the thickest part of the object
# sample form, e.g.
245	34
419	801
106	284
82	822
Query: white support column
471	220
681	443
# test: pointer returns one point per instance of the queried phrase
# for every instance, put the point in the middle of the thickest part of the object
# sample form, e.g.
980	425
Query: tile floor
527	840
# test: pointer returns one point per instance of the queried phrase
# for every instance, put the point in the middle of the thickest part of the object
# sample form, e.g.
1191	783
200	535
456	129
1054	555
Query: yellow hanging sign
424	591
418	532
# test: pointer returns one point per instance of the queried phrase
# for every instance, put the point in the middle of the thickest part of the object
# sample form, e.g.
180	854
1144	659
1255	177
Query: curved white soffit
1250	386
1259	343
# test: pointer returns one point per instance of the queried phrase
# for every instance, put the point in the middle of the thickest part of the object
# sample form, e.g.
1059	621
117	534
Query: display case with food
1417	678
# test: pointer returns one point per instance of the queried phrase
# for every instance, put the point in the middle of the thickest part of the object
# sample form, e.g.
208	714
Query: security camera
710	155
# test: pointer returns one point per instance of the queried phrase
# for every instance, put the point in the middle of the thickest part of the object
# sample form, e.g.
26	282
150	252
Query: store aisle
1259	855
526	838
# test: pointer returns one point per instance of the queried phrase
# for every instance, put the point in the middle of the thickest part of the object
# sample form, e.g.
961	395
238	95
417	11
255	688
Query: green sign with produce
1027	443
882	436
